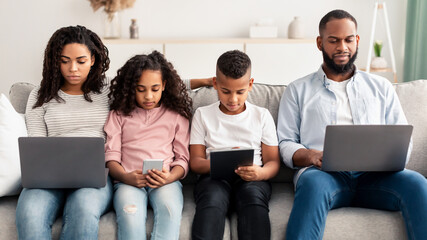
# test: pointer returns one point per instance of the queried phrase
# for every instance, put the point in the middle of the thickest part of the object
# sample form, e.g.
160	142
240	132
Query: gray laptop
62	162
366	147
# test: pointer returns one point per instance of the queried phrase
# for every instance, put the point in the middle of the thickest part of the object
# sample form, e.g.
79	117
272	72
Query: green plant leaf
378	45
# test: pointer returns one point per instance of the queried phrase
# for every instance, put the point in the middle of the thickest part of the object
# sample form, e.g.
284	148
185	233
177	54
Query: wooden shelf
207	40
378	69
382	70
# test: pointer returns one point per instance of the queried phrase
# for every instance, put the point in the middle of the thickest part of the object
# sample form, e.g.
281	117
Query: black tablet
225	161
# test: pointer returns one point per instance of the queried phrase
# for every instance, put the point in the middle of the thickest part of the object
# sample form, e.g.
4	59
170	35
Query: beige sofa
343	223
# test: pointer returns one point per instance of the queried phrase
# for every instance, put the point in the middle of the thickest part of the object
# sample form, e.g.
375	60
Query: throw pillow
12	126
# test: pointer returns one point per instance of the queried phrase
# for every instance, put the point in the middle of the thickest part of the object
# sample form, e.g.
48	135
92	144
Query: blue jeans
130	204
214	198
317	192
38	209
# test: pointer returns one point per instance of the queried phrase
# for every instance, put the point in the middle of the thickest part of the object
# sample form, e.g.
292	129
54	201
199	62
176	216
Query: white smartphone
150	164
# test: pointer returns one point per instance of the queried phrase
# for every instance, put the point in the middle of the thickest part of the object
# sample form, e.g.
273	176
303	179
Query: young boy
233	122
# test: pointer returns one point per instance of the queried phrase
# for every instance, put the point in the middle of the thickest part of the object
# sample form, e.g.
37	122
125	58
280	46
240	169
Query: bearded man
338	93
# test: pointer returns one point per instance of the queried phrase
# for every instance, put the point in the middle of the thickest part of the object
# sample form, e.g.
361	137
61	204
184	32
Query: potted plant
378	62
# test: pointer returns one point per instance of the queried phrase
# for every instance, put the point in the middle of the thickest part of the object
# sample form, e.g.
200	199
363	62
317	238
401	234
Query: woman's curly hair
52	77
123	86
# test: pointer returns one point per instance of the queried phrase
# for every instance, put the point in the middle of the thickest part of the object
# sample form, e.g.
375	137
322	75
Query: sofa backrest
413	97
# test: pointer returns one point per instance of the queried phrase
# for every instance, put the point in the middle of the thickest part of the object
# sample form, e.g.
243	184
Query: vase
378	63
112	25
296	28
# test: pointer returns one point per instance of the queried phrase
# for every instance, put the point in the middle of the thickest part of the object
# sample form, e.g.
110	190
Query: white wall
26	25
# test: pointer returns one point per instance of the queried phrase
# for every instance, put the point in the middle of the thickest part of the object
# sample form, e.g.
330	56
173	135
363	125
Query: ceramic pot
378	63
296	28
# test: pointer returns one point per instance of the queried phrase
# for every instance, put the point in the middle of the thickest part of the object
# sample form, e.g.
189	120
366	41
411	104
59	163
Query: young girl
72	100
149	119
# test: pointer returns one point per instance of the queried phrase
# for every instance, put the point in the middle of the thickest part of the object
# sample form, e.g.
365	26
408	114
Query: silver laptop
62	162
366	147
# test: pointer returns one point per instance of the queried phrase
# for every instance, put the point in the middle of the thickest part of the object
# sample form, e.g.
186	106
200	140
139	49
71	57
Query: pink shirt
147	134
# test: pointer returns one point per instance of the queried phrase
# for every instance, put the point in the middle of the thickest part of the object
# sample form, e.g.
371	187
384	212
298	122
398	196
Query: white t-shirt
344	116
215	129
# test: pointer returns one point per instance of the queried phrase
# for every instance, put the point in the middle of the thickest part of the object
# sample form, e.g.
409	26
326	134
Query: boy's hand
135	178
156	178
250	173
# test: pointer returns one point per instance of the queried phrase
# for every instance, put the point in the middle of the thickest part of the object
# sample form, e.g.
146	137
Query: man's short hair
233	64
335	14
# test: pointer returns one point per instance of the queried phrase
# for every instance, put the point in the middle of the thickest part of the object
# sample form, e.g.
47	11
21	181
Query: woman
72	101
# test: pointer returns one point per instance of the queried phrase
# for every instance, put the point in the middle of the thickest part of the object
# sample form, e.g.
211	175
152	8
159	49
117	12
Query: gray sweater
75	117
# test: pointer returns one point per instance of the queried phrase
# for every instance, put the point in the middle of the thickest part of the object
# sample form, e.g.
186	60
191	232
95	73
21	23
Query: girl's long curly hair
123	86
52	78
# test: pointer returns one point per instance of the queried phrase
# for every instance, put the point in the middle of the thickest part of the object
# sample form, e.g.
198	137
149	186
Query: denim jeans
38	209
130	204
317	192
250	200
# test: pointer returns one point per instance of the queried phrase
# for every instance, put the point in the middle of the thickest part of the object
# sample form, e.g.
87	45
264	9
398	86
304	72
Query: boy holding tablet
233	122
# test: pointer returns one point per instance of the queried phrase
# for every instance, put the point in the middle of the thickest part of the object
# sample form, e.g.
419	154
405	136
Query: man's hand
315	157
307	157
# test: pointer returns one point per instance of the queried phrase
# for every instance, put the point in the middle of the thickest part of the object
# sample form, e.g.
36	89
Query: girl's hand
135	178
156	178
250	173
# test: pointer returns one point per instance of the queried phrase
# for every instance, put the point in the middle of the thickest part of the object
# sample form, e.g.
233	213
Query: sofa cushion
7	219
18	95
12	126
413	97
369	224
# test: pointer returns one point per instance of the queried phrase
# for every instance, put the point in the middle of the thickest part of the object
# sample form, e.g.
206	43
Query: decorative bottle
133	29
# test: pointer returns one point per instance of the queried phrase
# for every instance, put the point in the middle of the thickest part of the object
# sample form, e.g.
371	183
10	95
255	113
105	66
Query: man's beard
339	68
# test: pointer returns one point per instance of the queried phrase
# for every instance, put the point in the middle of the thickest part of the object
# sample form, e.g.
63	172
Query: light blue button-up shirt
308	106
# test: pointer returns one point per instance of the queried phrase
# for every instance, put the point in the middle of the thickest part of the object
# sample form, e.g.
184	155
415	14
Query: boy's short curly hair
234	64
